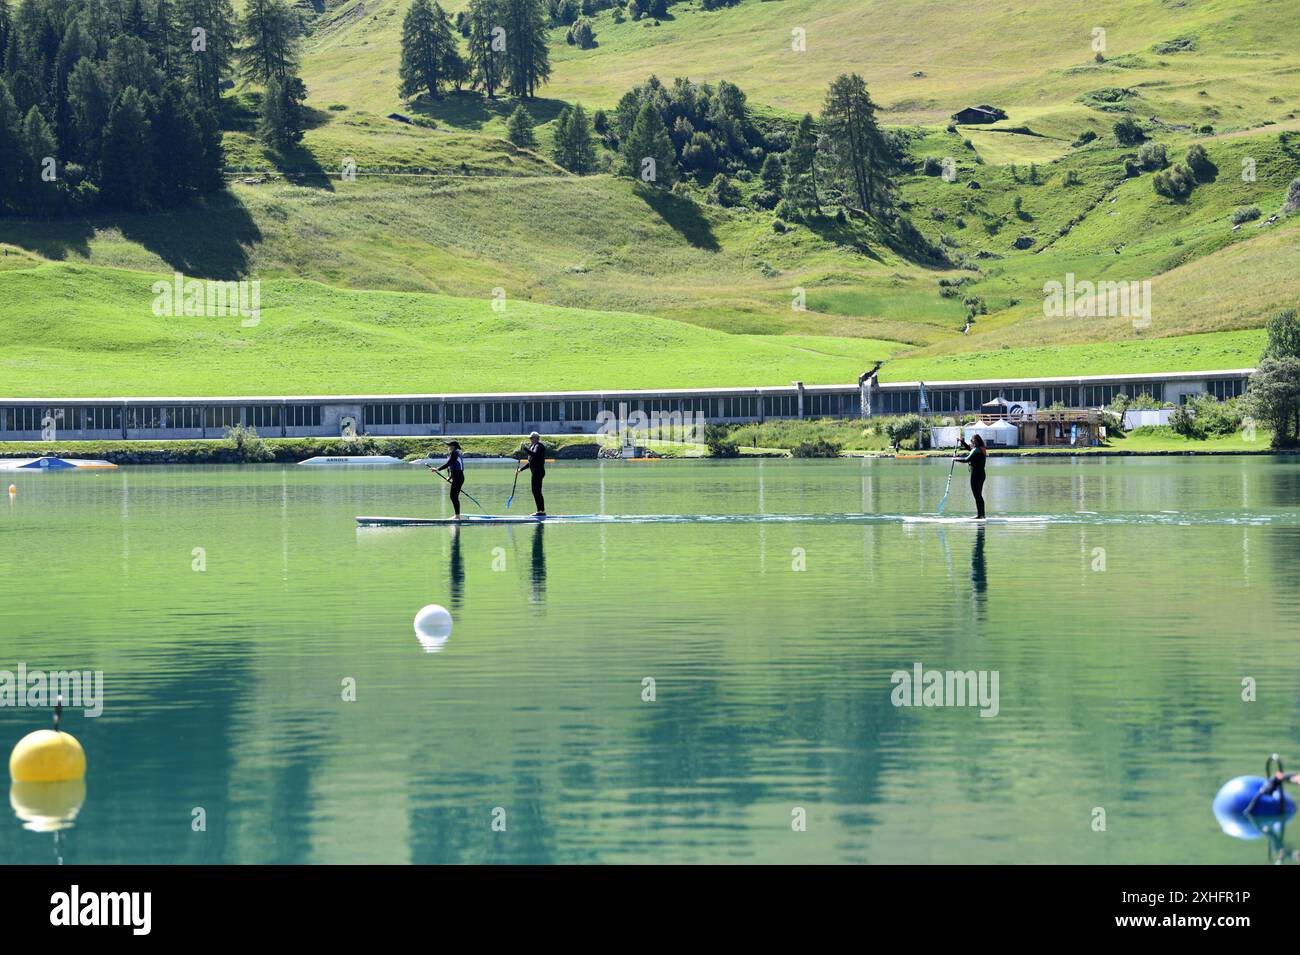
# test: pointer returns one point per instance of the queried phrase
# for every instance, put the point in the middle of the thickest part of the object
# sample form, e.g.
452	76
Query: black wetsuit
456	464
535	465
977	458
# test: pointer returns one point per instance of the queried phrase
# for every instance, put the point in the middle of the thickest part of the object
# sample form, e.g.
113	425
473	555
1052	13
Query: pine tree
519	128
648	152
177	147
127	169
41	194
166	40
574	148
270	50
281	124
12	154
89	103
857	153
801	169
205	57
430	55
487	45
6	32
528	63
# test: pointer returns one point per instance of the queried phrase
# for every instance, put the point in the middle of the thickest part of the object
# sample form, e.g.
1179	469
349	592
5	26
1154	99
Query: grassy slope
625	249
83	331
597	243
1036	56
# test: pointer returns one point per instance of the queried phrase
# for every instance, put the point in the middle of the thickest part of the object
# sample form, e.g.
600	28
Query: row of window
275	416
157	417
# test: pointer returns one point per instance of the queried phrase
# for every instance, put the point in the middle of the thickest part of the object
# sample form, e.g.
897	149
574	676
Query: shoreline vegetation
815	439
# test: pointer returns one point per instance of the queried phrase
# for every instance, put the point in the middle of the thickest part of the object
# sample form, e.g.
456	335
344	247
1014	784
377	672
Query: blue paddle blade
508	500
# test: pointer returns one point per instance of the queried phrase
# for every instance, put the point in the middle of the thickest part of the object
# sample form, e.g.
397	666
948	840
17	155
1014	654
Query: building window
1225	388
424	413
581	410
383	416
31	419
499	412
899	402
539	411
462	412
264	416
1067	397
742	406
781	406
221	416
943	402
144	417
302	416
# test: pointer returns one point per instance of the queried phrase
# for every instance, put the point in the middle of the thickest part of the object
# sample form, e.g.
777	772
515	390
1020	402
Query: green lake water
230	608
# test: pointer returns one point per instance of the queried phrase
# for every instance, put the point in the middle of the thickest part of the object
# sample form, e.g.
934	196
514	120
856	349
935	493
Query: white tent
1001	434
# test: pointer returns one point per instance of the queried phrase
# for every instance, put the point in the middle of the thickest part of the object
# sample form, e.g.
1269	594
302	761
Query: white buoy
433	627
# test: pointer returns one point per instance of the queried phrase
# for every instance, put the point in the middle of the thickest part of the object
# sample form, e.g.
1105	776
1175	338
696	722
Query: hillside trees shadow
207	238
683	215
469	110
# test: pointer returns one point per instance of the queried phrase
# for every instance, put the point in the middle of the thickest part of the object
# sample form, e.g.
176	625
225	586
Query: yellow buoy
13	489
47	756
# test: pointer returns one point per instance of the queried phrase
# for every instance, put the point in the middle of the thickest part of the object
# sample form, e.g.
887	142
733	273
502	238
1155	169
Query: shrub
717	438
1175	183
723	192
1200	164
819	448
910	427
1245	214
1128	132
932	166
1152	156
1085	137
1203	416
247	445
1292	203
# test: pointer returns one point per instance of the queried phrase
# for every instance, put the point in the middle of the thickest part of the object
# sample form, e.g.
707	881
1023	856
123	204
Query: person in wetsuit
535	465
977	456
455	464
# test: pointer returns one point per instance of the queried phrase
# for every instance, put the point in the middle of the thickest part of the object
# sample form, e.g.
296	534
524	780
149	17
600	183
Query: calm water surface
228	607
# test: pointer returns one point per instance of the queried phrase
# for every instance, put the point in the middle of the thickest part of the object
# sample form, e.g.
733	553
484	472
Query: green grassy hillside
83	331
448	211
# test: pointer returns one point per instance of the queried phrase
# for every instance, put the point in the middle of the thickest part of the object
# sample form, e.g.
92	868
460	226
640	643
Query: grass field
451	210
82	330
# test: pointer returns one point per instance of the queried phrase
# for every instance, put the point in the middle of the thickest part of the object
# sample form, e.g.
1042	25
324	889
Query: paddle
948	488
448	480
512	489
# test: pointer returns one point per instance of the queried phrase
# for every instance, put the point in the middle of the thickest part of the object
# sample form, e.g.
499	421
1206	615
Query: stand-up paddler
535	465
455	465
976	456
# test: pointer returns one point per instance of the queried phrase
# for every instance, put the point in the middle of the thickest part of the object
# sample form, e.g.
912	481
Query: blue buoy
1235	795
